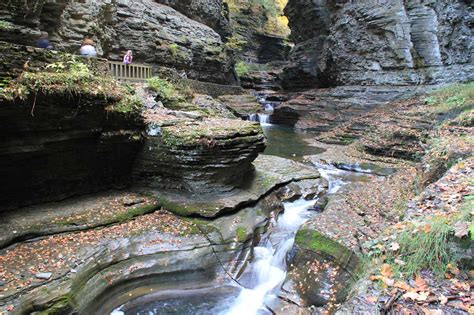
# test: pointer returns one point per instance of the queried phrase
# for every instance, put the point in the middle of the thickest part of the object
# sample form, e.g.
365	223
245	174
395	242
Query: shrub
242	69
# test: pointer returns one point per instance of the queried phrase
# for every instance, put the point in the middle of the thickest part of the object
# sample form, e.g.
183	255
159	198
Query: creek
258	287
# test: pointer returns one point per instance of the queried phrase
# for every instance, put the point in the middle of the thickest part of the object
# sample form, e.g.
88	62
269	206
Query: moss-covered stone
63	305
322	245
241	234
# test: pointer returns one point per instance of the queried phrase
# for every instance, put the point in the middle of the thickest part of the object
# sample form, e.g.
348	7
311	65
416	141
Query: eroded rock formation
58	145
158	34
379	43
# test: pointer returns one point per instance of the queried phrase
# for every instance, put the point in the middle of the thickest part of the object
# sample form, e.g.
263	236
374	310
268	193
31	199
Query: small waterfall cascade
264	117
268	270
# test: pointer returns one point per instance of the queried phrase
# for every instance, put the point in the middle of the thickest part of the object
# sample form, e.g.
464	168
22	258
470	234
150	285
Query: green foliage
4	25
452	96
426	250
235	43
71	77
128	104
173	49
168	93
242	69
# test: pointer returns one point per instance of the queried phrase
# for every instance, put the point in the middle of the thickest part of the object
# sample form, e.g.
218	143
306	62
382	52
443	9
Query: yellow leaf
386	270
404	286
420	284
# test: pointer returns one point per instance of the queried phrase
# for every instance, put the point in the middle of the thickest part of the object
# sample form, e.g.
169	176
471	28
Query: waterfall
268	270
262	118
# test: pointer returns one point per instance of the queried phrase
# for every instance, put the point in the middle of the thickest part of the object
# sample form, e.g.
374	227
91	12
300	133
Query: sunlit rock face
369	43
158	34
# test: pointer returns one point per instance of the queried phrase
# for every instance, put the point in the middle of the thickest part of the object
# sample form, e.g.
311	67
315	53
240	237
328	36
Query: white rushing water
264	119
268	270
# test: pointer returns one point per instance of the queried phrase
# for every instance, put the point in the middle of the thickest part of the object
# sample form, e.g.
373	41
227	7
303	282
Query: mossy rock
320	244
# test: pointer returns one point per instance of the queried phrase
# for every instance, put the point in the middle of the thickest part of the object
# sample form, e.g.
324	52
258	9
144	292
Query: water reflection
285	142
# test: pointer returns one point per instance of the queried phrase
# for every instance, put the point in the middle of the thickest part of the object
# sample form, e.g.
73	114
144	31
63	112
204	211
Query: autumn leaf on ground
422	296
394	246
371	299
461	229
443	300
386	270
403	286
426	228
420	284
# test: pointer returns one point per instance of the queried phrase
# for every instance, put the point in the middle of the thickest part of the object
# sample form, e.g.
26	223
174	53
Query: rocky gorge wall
157	33
60	145
379	42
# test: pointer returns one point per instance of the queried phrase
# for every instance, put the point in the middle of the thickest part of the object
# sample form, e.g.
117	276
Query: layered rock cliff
158	34
65	135
379	43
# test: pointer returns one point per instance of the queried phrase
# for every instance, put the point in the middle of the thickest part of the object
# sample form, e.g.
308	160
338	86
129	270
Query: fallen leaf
422	296
461	229
426	228
404	286
420	284
387	270
400	262
371	299
443	300
394	246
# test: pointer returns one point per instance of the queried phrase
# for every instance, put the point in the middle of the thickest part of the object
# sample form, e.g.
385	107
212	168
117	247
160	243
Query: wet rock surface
270	172
173	252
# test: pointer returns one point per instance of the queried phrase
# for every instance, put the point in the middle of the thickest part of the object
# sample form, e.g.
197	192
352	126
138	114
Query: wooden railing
131	72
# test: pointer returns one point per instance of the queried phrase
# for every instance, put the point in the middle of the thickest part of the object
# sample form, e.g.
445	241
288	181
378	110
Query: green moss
242	69
207	133
176	208
63	305
170	94
129	104
315	241
135	212
241	234
68	77
4	25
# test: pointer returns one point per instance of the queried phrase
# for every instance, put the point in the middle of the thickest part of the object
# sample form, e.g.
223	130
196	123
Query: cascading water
268	270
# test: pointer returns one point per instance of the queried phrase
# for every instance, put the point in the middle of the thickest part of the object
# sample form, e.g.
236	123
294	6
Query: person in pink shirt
128	58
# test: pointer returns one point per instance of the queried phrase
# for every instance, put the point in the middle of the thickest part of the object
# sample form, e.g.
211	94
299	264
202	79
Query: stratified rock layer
368	42
200	155
58	145
156	33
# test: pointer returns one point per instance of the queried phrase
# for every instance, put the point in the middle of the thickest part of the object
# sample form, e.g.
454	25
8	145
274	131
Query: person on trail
87	48
43	41
128	58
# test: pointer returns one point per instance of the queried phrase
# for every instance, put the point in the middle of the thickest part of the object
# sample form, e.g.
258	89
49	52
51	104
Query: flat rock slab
72	214
270	172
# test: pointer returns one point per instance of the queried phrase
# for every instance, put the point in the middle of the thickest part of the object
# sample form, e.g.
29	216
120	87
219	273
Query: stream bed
257	289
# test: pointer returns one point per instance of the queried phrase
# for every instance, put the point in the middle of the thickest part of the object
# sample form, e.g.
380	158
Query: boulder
200	155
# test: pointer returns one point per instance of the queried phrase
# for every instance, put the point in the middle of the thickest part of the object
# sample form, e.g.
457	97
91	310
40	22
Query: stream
262	279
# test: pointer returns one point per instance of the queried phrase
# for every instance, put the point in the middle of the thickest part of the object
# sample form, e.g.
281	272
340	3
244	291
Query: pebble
43	275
